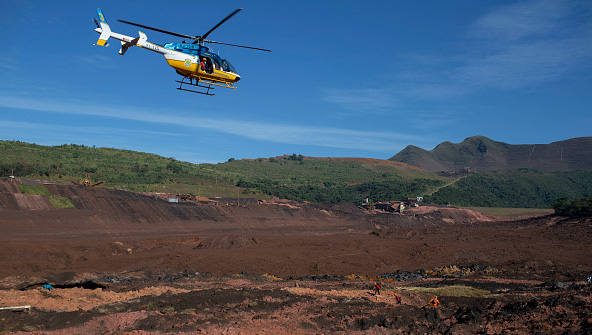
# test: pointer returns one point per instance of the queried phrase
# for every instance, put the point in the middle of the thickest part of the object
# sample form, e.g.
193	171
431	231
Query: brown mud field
129	263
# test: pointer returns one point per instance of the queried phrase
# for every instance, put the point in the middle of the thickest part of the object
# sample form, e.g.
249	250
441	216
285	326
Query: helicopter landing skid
183	82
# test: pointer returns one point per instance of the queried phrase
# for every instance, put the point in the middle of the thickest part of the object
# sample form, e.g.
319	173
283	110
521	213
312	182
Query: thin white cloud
525	44
278	133
522	20
522	45
526	64
57	128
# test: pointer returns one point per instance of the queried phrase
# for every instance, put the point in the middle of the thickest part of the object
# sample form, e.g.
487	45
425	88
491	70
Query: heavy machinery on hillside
88	182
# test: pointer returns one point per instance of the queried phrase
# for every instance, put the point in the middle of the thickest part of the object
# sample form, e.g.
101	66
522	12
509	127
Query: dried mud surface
128	263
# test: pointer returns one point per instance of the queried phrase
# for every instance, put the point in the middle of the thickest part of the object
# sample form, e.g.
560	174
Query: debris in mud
85	284
197	303
134	251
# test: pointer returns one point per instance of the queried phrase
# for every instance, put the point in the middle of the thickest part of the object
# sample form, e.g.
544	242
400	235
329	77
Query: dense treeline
520	189
581	208
329	192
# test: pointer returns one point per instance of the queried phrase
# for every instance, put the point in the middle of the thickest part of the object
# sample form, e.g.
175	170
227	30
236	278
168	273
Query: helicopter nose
237	79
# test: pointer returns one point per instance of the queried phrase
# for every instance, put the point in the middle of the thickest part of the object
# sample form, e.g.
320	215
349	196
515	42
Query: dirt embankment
99	211
128	263
115	231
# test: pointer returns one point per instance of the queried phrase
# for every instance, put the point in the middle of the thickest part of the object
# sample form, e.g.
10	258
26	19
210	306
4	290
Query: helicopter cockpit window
226	66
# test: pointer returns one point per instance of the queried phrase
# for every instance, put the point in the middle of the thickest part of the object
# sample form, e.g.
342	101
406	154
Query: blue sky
345	78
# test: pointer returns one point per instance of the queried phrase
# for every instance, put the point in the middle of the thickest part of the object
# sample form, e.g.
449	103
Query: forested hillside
519	188
295	177
290	176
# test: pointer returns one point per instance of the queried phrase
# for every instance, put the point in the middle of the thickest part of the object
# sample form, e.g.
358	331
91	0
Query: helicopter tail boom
105	31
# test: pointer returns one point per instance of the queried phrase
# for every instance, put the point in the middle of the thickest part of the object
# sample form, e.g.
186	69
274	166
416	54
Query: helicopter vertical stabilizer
143	38
105	29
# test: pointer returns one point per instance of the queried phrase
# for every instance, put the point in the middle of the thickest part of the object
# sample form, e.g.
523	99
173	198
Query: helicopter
192	60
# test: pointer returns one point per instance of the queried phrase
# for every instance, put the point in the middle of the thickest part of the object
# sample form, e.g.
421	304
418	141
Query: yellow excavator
88	182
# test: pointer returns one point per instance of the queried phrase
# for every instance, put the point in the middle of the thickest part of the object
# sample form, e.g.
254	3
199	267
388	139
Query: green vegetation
56	202
330	192
581	208
60	202
454	291
30	189
123	169
522	188
293	177
328	181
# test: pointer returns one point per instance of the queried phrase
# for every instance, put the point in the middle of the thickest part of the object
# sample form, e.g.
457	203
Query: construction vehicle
88	182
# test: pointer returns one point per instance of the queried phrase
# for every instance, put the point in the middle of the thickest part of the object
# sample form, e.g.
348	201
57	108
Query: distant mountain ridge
483	154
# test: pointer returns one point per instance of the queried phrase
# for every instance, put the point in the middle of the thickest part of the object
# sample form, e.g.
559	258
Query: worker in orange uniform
435	301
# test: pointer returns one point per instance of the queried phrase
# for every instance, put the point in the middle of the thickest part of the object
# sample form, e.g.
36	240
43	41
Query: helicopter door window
217	65
209	66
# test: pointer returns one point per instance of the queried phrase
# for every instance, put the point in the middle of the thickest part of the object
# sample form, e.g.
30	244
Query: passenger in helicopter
209	66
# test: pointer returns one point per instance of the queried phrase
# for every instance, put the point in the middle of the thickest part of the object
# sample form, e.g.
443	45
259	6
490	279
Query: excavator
88	182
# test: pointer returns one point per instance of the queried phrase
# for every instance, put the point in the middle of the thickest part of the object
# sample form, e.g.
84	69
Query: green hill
483	154
327	180
291	176
522	188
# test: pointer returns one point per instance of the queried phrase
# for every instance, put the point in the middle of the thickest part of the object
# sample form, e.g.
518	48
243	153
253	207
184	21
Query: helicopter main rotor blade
234	45
220	23
161	31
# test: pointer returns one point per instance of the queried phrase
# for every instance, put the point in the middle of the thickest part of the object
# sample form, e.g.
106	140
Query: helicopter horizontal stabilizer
126	45
105	29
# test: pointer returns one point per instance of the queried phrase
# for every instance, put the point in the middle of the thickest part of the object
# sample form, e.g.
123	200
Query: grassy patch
60	202
30	189
454	290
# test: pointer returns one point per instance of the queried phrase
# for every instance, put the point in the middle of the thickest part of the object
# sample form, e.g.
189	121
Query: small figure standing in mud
376	288
589	280
435	301
397	298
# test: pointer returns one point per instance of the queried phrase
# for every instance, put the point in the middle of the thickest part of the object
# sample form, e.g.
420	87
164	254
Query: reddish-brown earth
127	263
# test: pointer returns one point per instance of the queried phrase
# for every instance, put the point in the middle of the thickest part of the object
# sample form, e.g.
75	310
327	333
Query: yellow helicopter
193	61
